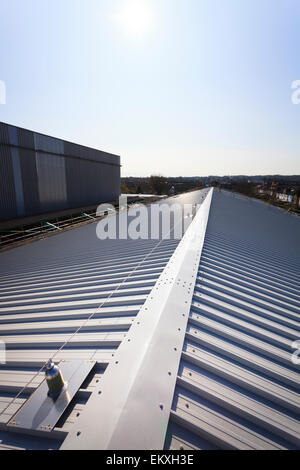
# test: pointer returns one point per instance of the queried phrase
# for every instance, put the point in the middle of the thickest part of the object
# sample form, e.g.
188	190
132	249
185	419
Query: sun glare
135	16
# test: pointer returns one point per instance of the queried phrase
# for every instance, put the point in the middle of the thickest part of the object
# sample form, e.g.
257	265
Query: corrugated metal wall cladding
54	145
4	135
30	181
48	144
92	154
88	182
237	386
26	138
51	179
8	205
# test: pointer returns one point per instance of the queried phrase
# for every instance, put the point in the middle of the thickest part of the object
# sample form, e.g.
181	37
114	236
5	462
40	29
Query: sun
135	16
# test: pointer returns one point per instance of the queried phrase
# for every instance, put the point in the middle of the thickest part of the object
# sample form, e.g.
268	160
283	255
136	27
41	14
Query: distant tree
159	184
124	188
244	188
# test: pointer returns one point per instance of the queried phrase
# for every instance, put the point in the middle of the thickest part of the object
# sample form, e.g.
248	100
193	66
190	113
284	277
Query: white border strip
130	408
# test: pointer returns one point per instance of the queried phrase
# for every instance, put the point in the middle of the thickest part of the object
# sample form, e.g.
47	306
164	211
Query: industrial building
165	344
41	174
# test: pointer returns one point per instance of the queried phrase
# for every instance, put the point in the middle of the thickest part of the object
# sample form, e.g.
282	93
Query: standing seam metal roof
236	385
49	288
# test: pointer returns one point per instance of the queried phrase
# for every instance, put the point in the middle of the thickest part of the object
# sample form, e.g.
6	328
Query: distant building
285	197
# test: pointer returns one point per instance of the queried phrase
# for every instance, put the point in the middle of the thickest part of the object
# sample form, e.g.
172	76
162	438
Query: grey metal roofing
50	287
236	385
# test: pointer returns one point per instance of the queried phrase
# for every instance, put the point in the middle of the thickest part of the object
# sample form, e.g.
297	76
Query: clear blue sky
176	87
